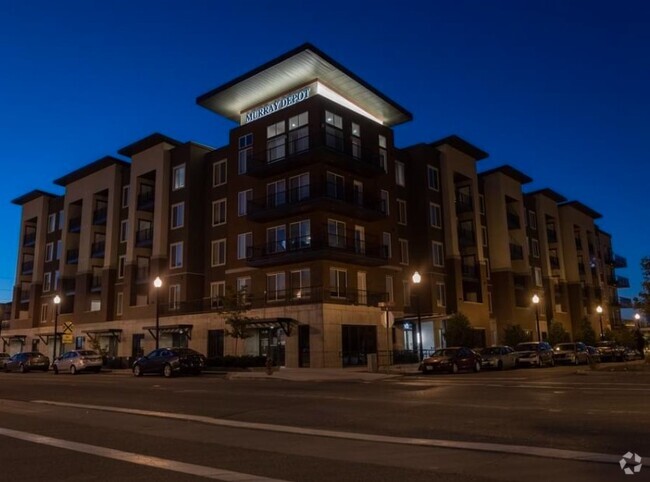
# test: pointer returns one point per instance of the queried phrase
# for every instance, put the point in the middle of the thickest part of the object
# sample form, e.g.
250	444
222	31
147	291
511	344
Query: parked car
27	361
452	360
170	361
500	357
534	353
610	351
4	357
632	354
76	361
594	354
574	353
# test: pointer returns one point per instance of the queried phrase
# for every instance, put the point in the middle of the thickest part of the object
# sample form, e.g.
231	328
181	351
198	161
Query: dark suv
170	361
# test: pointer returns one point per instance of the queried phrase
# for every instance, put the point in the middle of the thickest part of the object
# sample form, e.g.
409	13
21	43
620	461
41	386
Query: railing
466	237
551	235
29	239
622	282
144	237
146	201
555	262
464	203
72	256
99	216
516	252
97	250
27	267
513	221
470	271
74	225
620	261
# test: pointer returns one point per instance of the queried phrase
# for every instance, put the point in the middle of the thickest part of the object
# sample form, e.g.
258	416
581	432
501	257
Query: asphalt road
117	427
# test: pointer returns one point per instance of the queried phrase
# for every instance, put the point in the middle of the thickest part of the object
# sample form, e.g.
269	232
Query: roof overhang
89	169
461	145
583	208
30	196
295	70
185	329
285	324
511	172
146	143
549	193
112	332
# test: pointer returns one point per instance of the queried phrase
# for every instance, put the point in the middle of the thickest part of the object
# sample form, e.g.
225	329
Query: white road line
139	459
525	450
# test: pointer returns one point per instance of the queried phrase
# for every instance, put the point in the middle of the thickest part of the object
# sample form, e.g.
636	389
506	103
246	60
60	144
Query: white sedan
76	361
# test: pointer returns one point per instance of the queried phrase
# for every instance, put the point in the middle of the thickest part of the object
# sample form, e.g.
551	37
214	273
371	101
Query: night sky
559	91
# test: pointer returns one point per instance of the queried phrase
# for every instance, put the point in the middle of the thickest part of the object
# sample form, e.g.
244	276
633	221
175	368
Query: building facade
314	222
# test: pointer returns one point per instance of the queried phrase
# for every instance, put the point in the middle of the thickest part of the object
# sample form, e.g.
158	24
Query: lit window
435	215
243	197
178	215
244	245
334	120
178	177
275	286
400	178
356	130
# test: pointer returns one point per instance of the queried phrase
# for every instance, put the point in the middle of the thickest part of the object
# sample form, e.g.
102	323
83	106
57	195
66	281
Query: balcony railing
72	256
146	201
513	221
74	225
516	252
464	203
466	238
99	217
142	275
470	271
29	239
144	237
27	267
619	261
97	250
551	235
622	282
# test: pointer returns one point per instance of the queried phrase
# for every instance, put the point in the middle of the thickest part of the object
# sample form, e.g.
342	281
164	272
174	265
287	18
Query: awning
45	337
113	332
183	329
285	323
10	338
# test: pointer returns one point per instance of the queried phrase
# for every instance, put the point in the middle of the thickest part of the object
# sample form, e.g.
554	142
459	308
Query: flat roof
31	195
462	145
88	169
582	208
297	68
147	142
509	171
549	193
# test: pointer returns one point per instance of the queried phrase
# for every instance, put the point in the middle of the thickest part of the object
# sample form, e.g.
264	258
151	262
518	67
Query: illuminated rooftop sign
276	105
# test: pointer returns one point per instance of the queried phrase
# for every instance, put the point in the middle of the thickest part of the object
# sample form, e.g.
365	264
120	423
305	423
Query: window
276	239
538	277
356	141
178	177
362	288
532	220
276	194
47	280
357	192
300	235
335	186
126	190
383	155
400	177
299	187
124	230
276	142
244	287
384	206
438	253
275	286
143	268
178	215
300	284
442	295
334	131
59	248
121	263
356	130
44	312
242	201
217	294
433	178
219	252
335	233
435	215
51	223
389	289
119	303
95	305
487	268
403	251
57	280
176	255
245	153
386	245
49	252
334	120
219	173
535	248
401	212
490	302
299	133
484	235
244	245
481	200
338	282
174	297
359	239
219	212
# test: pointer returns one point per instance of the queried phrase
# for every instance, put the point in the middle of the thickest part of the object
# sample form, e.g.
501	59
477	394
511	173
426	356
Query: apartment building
314	219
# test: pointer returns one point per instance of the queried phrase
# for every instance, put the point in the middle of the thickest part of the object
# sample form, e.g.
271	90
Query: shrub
557	333
459	331
586	333
515	334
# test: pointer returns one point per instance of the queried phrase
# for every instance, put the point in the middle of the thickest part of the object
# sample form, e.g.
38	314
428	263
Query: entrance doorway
303	346
215	343
357	341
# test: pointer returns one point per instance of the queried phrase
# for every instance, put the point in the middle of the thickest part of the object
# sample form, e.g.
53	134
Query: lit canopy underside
295	69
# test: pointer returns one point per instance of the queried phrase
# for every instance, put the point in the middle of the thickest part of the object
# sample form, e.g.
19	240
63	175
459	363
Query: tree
515	334
235	307
557	333
459	331
643	301
586	332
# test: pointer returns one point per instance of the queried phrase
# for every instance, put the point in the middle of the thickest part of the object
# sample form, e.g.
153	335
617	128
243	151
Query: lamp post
536	302
637	318
57	302
599	310
416	280
157	283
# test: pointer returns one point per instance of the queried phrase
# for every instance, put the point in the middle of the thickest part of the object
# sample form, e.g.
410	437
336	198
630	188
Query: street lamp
599	310
416	280
637	317
57	302
157	283
536	302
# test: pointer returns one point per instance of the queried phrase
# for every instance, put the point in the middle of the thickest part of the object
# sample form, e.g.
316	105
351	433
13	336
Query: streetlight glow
57	300
637	316
416	278
416	281
535	299
599	309
157	282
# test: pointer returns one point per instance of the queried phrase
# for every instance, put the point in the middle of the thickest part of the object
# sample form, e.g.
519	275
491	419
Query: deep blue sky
559	89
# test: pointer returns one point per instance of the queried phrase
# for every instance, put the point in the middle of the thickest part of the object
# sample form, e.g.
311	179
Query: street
563	422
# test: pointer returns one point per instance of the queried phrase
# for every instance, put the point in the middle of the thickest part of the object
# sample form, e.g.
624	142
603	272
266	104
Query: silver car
499	357
573	353
76	361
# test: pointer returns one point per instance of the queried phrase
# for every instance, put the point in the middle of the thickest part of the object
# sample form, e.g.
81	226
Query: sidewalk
358	374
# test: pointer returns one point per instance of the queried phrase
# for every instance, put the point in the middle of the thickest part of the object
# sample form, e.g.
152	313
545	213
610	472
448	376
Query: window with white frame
121	265
484	235
403	251
176	255
334	120
535	247
532	220
276	239
275	286
178	177
126	191
389	289
119	303
47	280
244	245
95	305
383	153
441	299
174	297
338	283
44	307
244	288
178	215
538	277
433	178
299	187
217	294
336	233
356	141
219	173
275	142
243	197
51	223
385	202
49	252
386	245
401	212
124	230
300	234
437	254
400	175
300	284
219	212
299	133
333	131
362	288
245	153
435	215
218	252
276	193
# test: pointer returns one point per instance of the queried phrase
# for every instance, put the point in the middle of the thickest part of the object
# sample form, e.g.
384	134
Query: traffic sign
68	327
66	338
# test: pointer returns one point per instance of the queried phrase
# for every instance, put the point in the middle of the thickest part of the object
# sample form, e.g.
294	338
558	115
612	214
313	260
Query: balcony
74	225
578	243
146	201
307	248
622	282
555	262
551	236
99	217
72	256
471	271
516	252
27	267
619	261
464	203
513	221
142	275
466	238
144	238
68	285
315	197
581	269
29	239
313	149
24	296
97	250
